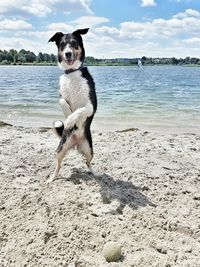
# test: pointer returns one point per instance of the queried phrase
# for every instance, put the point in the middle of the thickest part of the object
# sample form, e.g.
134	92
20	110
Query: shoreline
109	125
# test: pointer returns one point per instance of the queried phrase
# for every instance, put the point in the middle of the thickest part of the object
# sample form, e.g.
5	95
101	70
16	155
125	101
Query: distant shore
100	64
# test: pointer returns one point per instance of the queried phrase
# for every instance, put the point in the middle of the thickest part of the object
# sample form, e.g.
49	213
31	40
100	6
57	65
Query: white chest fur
74	89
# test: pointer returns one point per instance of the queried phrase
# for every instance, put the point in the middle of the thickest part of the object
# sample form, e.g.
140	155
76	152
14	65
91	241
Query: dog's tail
58	128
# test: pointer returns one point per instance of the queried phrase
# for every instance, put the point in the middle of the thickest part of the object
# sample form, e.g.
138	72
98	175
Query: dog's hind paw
92	171
50	180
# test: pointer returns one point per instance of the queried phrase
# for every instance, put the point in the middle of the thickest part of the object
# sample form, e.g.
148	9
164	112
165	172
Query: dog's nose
68	54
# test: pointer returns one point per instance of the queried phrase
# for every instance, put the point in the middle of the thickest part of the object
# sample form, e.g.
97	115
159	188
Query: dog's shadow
122	191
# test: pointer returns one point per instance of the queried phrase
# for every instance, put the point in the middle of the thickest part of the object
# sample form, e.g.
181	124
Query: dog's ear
56	37
81	31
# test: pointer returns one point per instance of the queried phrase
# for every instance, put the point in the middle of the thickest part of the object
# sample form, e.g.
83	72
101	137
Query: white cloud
146	3
107	30
36	8
19	43
192	41
86	5
90	21
156	38
82	22
14	25
60	27
22	7
42	8
177	36
160	28
188	13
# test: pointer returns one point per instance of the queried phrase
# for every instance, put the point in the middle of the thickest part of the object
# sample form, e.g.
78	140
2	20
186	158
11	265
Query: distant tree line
144	60
27	57
23	56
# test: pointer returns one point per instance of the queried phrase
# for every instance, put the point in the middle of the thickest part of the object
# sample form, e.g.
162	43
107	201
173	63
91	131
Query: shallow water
158	97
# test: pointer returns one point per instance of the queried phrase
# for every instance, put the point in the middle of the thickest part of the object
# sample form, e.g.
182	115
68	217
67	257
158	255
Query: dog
77	99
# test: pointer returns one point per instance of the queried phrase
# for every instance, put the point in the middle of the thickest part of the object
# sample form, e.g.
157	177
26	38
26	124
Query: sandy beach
146	197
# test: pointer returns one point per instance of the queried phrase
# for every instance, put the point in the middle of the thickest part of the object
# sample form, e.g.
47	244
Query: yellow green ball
112	251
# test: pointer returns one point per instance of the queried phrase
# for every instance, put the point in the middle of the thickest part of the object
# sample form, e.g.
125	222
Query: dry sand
146	198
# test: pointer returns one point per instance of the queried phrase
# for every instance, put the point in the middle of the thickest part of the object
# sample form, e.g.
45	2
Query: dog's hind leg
64	146
85	148
60	156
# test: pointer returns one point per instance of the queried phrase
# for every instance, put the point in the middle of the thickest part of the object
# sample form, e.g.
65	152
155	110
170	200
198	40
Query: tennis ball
112	251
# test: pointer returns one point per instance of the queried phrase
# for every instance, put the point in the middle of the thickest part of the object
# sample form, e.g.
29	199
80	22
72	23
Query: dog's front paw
71	121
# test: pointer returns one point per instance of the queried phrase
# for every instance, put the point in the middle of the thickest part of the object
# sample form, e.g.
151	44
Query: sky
129	28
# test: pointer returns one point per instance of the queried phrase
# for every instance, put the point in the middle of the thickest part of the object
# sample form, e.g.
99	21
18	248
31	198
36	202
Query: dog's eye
74	44
62	45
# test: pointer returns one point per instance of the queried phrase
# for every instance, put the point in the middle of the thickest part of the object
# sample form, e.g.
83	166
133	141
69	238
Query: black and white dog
77	98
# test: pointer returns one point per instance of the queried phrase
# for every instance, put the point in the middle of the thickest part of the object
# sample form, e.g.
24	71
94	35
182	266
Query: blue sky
129	28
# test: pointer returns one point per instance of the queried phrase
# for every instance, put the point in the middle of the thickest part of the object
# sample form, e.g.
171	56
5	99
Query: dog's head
71	52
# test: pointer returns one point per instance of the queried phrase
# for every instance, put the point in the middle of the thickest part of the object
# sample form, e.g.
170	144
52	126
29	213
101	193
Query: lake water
155	97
